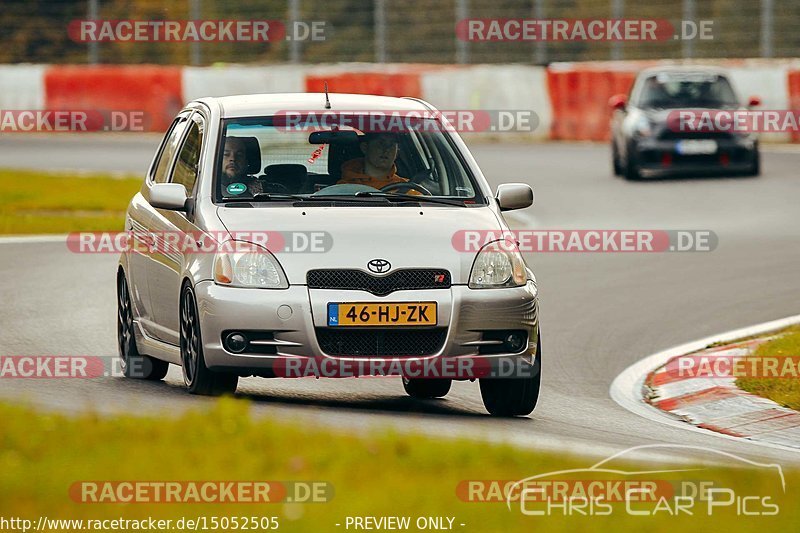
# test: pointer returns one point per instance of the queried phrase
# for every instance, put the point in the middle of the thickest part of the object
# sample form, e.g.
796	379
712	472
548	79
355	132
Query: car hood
406	237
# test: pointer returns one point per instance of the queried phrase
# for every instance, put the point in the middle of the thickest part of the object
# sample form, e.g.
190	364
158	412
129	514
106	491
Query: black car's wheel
755	168
197	377
513	396
632	168
133	364
615	162
427	388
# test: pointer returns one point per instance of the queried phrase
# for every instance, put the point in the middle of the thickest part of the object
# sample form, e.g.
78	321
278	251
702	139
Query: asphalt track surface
599	312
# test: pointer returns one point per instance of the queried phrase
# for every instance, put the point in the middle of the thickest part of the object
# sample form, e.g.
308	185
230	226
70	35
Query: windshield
259	159
686	90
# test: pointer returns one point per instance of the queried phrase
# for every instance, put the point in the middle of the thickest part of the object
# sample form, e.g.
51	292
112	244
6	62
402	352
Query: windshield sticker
236	188
316	154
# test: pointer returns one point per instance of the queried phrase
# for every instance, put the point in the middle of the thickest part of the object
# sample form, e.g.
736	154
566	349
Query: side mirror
170	196
512	196
754	101
618	102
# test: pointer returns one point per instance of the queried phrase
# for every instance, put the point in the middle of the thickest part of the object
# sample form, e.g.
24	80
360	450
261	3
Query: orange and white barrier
570	100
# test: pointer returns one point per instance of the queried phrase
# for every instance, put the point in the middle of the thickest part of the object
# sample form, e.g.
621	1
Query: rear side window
170	146
188	161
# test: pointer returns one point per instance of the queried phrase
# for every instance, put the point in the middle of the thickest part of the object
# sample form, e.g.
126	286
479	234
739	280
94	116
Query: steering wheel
405	186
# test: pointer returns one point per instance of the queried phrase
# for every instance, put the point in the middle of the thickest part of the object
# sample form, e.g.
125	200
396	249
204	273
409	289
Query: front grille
381	342
399	280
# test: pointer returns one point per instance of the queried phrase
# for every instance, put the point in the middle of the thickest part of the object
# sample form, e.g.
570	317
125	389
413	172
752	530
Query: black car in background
645	138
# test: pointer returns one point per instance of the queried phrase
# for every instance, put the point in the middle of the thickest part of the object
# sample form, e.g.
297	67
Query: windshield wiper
270	196
410	197
267	196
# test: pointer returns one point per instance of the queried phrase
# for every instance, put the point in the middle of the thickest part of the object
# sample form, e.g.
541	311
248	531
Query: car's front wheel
632	172
513	396
132	363
615	163
427	388
755	167
197	377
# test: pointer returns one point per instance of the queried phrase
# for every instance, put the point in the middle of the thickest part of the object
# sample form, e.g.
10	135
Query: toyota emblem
379	266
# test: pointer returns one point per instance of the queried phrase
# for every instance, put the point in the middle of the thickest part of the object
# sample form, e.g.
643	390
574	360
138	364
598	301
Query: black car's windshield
260	159
686	90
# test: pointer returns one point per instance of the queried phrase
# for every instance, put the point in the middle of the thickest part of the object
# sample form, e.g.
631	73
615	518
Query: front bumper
661	157
292	316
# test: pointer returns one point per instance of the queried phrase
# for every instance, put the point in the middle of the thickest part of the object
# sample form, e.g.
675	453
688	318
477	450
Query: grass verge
43	455
48	202
785	391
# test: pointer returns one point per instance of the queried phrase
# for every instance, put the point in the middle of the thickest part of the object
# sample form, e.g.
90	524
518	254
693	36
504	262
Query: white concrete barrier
22	86
768	82
492	87
231	80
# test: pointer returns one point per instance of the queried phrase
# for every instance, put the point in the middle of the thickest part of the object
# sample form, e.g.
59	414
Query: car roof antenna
327	100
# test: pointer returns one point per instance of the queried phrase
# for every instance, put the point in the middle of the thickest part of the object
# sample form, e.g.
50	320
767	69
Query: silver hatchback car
277	236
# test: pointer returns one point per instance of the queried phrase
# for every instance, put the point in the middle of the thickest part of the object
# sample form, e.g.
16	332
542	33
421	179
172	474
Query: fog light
514	342
236	342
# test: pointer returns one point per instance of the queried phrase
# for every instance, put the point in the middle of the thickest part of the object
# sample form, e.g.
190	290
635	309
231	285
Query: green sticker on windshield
236	188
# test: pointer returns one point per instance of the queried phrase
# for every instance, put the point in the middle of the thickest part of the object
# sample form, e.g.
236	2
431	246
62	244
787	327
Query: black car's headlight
642	127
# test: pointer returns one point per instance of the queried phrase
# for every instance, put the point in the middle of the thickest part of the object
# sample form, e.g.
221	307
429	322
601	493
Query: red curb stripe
780	423
723	430
744	419
762	422
744	344
704	396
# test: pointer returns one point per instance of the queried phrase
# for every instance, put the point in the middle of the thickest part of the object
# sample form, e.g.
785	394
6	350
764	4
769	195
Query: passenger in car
234	169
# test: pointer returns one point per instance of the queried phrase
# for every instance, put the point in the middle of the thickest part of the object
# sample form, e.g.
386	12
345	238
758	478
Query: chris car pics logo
611	487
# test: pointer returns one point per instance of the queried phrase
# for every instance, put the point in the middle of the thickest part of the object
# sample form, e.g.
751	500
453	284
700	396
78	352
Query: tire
513	396
196	376
755	169
427	388
133	364
615	163
631	169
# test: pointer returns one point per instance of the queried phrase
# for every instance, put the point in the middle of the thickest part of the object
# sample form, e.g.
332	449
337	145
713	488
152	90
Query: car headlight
642	126
498	264
248	265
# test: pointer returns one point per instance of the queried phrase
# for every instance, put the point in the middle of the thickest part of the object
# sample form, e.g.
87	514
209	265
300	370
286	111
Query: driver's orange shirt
353	172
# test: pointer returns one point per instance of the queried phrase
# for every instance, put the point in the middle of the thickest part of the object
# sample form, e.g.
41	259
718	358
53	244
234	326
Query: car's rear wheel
513	396
427	388
197	377
133	364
